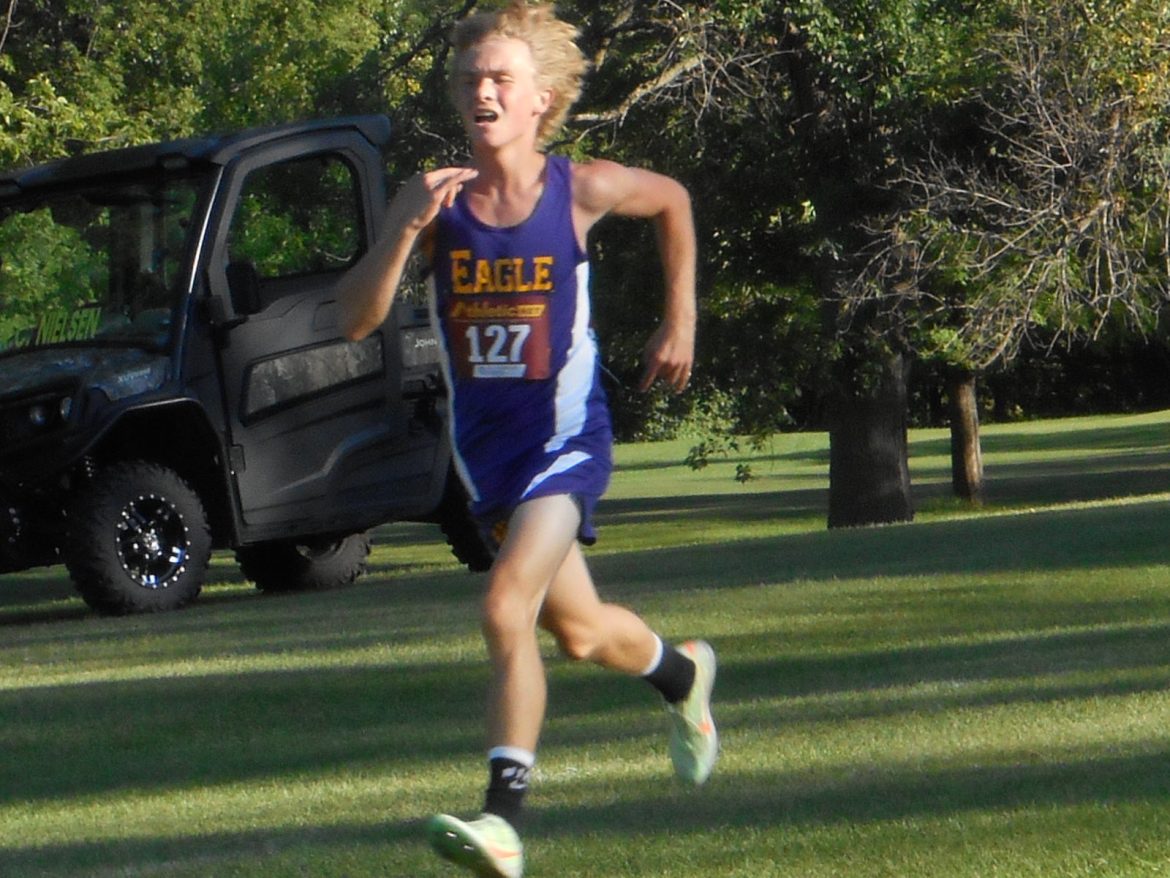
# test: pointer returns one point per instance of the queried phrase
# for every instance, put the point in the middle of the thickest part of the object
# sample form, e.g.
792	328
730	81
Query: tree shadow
872	794
210	854
735	802
172	733
1124	535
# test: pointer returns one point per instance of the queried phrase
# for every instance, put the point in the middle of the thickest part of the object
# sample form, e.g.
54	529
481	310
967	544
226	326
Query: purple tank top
528	414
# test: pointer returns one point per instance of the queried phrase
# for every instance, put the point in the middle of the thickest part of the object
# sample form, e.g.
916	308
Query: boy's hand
669	355
417	203
366	292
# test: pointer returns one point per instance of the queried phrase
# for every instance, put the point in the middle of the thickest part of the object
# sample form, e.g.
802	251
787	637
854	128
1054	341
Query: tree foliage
51	269
1054	216
78	75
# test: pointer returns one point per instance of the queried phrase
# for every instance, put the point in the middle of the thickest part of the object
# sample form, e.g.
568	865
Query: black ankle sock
506	788
674	675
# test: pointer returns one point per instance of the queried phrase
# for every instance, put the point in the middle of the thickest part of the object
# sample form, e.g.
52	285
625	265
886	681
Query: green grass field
975	694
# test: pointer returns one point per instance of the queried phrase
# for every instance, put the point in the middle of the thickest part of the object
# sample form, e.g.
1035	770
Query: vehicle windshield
94	265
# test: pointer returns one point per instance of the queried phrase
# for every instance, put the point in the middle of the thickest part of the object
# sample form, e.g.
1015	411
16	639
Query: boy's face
496	92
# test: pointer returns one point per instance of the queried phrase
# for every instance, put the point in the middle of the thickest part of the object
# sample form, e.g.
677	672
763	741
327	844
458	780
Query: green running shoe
694	742
488	845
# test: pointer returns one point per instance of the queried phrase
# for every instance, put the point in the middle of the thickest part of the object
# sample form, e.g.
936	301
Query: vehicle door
320	435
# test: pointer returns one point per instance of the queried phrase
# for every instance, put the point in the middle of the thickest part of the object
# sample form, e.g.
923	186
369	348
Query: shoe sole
453	846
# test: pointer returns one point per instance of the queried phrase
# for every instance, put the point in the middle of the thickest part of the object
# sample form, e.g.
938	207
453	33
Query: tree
798	114
1051	218
846	85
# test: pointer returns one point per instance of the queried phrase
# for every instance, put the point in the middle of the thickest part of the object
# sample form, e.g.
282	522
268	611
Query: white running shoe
488	845
694	742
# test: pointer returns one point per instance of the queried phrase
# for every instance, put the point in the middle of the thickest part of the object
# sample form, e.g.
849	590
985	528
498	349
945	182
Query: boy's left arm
603	187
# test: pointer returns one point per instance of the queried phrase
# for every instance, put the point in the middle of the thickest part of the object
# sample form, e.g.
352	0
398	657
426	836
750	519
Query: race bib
504	336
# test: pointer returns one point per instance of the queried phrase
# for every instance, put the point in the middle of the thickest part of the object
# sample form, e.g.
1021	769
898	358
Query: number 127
497	342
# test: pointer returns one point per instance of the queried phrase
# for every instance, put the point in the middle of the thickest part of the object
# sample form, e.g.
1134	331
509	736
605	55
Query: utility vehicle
173	378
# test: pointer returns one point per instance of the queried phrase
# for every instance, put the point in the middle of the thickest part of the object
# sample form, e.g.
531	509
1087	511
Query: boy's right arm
366	292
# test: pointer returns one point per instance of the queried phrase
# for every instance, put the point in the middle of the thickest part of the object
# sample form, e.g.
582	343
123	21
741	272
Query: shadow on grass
1126	534
765	801
47	595
881	680
99	738
1122	535
95	739
214	854
18	611
1040	667
1104	477
41	595
869	793
171	734
991	646
777	506
1144	437
428	605
761	801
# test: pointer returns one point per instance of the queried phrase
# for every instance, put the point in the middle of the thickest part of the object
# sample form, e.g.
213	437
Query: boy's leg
539	536
541	533
541	576
588	629
612	636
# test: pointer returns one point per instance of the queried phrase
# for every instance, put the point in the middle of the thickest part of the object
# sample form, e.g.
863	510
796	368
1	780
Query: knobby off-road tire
138	540
462	532
305	565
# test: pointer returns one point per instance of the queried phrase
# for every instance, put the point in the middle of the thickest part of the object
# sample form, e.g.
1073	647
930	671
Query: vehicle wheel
305	565
138	540
461	530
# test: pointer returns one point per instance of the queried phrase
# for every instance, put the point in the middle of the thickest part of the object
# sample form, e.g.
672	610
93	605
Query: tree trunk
869	471
966	454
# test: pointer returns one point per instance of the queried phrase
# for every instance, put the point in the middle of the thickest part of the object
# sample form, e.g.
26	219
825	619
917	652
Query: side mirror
244	287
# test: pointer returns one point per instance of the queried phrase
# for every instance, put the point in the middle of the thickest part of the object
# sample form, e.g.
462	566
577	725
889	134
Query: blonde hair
560	63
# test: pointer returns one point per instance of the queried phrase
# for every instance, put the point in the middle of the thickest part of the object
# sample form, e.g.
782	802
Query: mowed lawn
978	693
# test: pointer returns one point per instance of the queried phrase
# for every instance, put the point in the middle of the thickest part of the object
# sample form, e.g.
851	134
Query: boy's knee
577	649
504	614
575	643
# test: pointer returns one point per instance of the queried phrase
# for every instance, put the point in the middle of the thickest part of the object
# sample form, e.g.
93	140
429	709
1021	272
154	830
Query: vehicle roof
215	149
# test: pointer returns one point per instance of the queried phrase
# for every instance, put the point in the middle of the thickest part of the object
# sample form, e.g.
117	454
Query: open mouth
486	116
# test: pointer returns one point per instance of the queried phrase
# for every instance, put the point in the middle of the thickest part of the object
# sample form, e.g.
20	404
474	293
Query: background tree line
909	209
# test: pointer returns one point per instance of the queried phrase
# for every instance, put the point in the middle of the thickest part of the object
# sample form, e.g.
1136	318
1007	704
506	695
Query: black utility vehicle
173	378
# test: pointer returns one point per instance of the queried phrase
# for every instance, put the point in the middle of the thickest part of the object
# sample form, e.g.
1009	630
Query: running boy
505	239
